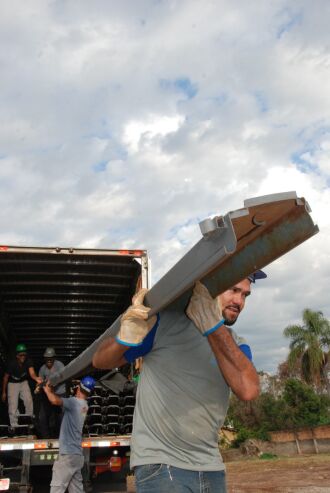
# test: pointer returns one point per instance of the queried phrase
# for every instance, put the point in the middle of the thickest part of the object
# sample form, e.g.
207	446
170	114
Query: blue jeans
161	478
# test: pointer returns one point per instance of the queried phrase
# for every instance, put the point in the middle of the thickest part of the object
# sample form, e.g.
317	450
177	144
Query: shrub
300	406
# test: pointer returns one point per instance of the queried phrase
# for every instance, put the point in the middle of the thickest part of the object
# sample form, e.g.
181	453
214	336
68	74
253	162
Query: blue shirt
75	411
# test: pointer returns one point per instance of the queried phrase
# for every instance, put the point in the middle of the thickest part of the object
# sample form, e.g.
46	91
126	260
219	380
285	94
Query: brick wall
319	433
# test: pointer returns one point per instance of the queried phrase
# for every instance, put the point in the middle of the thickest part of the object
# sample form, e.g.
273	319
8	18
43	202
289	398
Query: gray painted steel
218	261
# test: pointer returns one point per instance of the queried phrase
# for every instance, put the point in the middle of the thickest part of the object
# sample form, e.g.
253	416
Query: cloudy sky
123	124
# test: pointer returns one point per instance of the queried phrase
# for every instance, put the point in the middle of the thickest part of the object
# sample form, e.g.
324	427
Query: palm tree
309	345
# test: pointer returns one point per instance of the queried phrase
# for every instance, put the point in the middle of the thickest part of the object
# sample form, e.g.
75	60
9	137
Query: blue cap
258	274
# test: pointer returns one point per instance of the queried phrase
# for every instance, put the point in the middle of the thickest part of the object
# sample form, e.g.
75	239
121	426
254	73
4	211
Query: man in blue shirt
67	468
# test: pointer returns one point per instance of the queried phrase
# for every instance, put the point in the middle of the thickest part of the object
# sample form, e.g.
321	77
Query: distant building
270	383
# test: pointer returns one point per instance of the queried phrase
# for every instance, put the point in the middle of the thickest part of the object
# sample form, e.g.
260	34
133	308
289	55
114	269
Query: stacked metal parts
110	413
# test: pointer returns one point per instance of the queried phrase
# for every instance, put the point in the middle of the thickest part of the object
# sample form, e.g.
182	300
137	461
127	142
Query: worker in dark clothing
67	468
16	378
50	416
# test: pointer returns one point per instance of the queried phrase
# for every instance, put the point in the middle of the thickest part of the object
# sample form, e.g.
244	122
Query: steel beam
232	247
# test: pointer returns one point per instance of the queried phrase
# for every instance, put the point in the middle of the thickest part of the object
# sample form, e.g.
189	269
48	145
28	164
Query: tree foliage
309	344
298	406
307	408
294	399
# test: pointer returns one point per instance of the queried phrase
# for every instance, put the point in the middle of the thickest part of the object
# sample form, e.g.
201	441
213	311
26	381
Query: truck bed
33	443
63	297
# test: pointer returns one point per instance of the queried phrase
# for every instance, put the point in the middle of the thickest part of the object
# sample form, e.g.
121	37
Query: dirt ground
300	474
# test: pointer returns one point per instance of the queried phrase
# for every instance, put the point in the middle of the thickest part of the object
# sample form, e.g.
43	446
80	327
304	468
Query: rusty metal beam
233	246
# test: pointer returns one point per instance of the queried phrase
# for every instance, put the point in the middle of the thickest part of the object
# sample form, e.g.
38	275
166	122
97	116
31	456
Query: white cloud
146	130
124	124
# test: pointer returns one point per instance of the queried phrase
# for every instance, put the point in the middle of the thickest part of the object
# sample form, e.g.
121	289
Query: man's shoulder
75	402
242	344
59	365
68	402
237	338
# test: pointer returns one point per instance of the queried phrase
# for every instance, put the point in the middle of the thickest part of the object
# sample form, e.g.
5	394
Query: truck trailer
66	298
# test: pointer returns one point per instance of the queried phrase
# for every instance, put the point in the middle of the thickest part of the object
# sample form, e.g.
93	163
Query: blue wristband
213	329
130	344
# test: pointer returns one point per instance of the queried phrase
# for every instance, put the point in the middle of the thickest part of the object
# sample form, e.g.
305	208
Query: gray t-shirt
182	399
75	411
45	373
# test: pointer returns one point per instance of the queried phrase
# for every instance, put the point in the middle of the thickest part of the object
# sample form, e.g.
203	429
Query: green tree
307	408
299	406
309	344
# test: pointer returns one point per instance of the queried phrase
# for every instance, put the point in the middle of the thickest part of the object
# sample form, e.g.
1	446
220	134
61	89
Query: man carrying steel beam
182	396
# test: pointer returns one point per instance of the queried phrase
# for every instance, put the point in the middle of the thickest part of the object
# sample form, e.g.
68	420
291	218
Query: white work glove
204	311
134	325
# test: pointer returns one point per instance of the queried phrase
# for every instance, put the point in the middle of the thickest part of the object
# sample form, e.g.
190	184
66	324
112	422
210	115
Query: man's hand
4	396
47	387
204	311
134	322
40	386
53	398
38	380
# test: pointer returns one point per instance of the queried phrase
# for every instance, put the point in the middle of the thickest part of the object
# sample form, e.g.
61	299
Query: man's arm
53	398
33	375
238	371
110	354
4	386
236	368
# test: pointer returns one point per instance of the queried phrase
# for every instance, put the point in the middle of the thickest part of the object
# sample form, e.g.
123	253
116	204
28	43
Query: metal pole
232	247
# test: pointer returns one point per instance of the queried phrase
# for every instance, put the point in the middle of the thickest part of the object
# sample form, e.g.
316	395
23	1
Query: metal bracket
209	225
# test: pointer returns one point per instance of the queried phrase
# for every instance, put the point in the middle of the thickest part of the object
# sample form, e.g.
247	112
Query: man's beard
229	323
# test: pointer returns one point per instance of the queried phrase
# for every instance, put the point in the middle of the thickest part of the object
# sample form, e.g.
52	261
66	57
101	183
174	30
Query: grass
267	456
